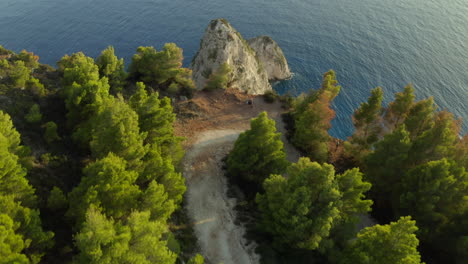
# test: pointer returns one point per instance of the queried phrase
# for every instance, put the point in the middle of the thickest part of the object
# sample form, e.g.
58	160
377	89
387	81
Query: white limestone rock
272	58
222	43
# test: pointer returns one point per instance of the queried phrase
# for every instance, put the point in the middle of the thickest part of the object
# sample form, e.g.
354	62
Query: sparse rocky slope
250	71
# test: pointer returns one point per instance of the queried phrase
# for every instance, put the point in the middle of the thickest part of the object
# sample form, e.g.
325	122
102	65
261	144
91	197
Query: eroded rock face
222	43
272	58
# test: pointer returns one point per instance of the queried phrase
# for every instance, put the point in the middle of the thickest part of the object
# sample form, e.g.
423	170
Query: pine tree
461	152
313	117
13	176
11	244
161	68
147	245
17	203
157	202
156	118
110	185
30	59
138	100
368	126
395	243
12	136
398	110
112	68
107	184
34	115
27	225
420	117
438	141
386	166
435	195
50	133
135	240
301	209
161	170
116	130
19	74
100	239
36	87
57	199
257	152
84	92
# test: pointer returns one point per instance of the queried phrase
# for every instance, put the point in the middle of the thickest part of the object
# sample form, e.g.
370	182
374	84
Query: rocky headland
253	63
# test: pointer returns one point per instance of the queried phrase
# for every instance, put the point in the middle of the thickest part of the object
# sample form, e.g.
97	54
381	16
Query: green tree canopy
135	240
461	152
112	68
27	226
197	259
100	240
50	133
57	199
420	117
116	130
368	126
30	59
156	117
34	115
12	176
12	136
36	87
16	195
78	68
11	244
257	152
312	119
437	142
435	194
161	68
301	209
386	166
154	66
107	184
398	110
85	93
161	170
156	201
19	74
110	185
395	243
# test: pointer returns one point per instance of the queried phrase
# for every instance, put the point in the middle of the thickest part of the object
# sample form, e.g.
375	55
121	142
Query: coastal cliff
251	67
271	57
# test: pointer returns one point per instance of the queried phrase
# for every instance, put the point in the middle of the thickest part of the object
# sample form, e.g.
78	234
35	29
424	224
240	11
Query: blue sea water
369	43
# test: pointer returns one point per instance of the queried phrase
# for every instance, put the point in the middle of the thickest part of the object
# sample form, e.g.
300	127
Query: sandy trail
221	240
221	117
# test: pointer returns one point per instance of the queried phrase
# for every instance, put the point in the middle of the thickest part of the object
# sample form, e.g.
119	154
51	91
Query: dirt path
211	122
221	240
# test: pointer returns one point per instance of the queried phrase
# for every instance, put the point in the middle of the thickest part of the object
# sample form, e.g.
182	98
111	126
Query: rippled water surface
368	42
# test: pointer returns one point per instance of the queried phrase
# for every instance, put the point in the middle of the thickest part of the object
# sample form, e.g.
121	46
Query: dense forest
90	169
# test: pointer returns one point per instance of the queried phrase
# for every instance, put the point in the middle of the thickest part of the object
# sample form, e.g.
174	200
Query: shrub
270	96
34	115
